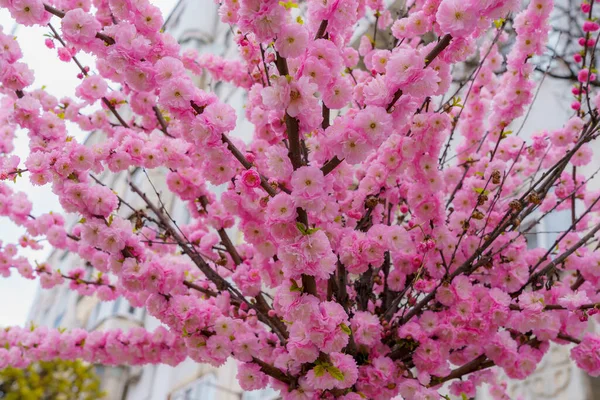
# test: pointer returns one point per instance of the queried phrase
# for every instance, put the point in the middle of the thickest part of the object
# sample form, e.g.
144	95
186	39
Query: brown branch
263	307
261	303
264	183
477	364
326	117
342	290
235	256
566	254
545	181
262	53
200	289
397	95
206	269
161	121
274	372
77	280
330	165
574	196
439	47
54	11
309	284
580	281
85	73
293	134
569	77
115	112
322	29
281	64
212	275
568	338
549	307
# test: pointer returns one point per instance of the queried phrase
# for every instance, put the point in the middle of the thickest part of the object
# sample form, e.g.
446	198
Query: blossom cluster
21	346
373	264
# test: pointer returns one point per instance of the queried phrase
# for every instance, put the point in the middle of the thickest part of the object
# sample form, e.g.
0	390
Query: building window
263	394
202	388
532	237
116	306
100	370
58	319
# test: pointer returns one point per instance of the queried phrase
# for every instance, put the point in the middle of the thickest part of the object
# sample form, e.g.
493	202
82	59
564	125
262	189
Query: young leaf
295	287
345	329
319	371
335	372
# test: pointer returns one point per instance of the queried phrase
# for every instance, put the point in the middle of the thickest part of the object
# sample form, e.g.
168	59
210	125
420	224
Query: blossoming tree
383	250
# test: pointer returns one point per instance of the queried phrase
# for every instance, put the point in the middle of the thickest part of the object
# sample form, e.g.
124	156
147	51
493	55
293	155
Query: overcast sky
60	79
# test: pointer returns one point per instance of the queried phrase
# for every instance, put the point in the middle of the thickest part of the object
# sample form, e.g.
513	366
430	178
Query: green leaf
295	287
456	102
335	372
505	134
464	396
302	228
82	221
288	4
345	329
481	191
319	371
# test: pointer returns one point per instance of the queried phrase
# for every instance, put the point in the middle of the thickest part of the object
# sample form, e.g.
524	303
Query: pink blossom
251	178
456	17
92	88
281	208
16	76
586	354
292	40
366	328
251	377
64	54
29	12
307	183
79	27
574	300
